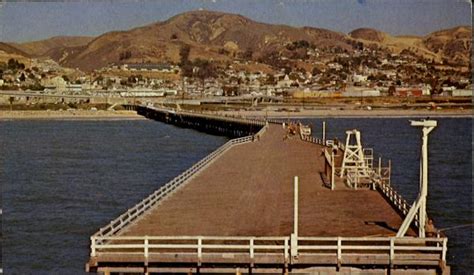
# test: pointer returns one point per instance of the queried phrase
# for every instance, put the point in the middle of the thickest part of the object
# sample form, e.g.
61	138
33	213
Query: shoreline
352	114
132	115
69	115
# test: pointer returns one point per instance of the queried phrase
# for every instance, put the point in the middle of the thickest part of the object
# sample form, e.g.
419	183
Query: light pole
428	126
420	203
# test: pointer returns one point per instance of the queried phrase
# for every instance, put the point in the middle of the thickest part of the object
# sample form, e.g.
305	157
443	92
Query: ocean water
62	180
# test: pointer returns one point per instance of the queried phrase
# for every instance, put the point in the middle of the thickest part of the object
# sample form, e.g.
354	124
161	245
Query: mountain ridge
224	36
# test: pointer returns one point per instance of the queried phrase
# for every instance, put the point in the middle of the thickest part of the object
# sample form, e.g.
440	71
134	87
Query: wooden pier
226	126
234	212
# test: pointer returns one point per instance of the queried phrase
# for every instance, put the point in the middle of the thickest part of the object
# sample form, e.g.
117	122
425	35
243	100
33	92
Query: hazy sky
26	21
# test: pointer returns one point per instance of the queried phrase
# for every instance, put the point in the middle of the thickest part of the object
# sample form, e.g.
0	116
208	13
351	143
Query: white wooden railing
132	214
313	140
380	176
338	247
396	199
327	142
256	122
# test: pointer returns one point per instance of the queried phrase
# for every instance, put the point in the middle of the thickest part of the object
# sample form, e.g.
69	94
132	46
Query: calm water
62	180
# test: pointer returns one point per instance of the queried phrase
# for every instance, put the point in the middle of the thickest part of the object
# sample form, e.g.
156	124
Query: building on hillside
357	78
360	92
408	92
74	88
462	92
285	82
55	83
154	67
448	89
314	94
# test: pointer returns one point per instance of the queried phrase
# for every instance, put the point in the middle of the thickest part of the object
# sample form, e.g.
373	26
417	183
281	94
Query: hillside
368	35
223	36
7	52
9	49
50	45
211	35
453	44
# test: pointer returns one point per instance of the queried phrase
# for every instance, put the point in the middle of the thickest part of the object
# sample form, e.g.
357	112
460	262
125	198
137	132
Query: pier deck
235	209
249	192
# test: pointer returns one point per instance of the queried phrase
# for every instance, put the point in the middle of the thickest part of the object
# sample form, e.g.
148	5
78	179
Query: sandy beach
69	115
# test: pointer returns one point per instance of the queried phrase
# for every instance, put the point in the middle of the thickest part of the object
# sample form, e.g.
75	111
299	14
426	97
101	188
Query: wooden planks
248	192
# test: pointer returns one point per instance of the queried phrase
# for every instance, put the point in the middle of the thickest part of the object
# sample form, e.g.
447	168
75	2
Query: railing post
445	248
93	252
294	245
324	132
380	167
286	250
199	250
251	248
295	207
332	170
392	251
389	171
339	252
294	235
146	247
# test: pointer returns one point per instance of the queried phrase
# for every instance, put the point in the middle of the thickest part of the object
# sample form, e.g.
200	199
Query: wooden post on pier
294	235
295	230
389	171
380	166
333	168
324	132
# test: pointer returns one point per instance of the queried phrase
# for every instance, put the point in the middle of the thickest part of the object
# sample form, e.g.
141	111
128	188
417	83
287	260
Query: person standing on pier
430	229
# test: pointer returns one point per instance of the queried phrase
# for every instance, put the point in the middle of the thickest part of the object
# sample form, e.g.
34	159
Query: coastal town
361	73
236	137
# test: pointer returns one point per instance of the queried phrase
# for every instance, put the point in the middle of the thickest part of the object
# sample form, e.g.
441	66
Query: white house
462	92
285	82
57	82
359	78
